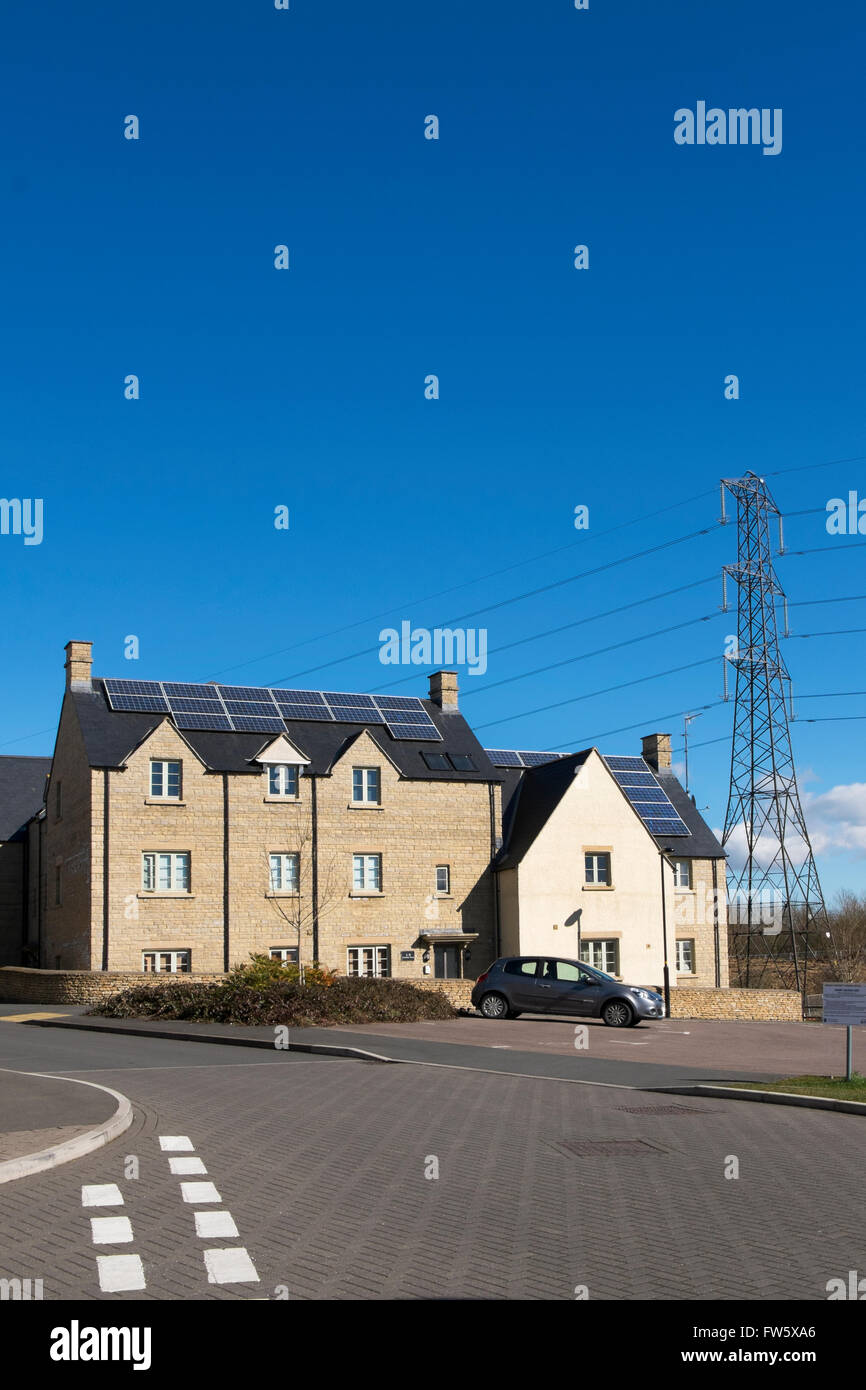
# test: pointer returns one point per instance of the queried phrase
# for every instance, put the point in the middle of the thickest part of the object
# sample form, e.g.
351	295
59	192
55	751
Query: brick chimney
443	690
79	660
656	750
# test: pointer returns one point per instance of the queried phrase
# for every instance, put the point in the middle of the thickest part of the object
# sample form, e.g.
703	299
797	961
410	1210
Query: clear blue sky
410	257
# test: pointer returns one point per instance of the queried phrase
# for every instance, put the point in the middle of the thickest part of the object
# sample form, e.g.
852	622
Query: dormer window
283	780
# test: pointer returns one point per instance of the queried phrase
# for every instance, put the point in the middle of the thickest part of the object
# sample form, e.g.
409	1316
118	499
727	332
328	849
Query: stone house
187	826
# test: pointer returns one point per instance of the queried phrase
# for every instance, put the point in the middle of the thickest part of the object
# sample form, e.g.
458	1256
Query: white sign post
846	1005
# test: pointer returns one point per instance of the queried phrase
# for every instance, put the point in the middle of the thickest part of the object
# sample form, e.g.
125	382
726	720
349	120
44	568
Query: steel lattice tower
778	920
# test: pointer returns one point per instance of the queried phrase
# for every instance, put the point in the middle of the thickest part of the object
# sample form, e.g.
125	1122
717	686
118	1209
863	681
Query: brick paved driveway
322	1164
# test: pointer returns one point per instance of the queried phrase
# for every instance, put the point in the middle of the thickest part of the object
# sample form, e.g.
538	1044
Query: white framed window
369	962
366	786
165	962
682	873
285	872
165	780
283	780
603	955
287	954
597	869
686	957
367	873
443	878
165	872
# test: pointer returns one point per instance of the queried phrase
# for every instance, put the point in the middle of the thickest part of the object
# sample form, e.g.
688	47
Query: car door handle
544	986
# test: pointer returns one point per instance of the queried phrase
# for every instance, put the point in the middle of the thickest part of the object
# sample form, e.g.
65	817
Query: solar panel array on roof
651	801
259	709
511	757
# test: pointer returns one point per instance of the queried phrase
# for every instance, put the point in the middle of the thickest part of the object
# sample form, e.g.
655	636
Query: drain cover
665	1110
607	1148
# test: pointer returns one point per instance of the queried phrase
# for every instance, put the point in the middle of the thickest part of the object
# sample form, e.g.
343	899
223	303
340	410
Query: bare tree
848	925
298	911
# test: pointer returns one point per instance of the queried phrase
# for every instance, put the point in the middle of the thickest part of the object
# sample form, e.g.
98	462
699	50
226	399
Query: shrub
261	971
280	1001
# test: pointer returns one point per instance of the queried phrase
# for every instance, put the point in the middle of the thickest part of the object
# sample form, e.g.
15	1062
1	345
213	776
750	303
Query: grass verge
829	1087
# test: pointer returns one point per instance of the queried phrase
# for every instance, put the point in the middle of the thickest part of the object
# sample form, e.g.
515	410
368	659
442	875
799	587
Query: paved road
321	1165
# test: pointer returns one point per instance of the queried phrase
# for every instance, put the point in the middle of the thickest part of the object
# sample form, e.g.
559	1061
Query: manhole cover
607	1148
665	1110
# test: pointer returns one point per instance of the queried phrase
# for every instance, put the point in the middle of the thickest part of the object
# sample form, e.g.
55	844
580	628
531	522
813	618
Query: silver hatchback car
550	985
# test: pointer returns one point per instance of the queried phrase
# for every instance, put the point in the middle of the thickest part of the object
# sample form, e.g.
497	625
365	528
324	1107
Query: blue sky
409	257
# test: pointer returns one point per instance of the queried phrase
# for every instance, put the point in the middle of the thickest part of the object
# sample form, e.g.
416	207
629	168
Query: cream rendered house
581	875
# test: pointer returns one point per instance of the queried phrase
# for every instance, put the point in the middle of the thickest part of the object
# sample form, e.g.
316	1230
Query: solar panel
300	711
196	707
422	732
641	795
260	709
504	757
650	801
148	704
243	692
129	687
667	826
347	698
189	692
258	724
203	721
251	707
635	779
536	759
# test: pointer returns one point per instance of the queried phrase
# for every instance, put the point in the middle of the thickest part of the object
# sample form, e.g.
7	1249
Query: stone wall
783	1005
458	992
23	986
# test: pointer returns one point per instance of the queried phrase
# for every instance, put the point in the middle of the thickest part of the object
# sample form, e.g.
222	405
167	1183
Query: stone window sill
283	895
282	800
183	896
373	893
364	806
163	801
598	888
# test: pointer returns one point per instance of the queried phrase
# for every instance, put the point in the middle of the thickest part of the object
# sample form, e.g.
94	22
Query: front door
446	962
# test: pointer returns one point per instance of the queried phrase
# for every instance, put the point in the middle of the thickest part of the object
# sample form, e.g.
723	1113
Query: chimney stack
443	690
79	660
656	750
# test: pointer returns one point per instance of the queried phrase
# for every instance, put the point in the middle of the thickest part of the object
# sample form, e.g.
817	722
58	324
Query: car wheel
617	1014
494	1006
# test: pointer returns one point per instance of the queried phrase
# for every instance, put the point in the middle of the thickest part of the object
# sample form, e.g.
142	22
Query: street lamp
663	859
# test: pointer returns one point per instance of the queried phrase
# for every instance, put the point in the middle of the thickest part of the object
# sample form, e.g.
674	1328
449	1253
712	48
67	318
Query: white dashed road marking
199	1192
119	1273
110	1230
175	1143
180	1166
101	1195
211	1224
226	1264
230	1266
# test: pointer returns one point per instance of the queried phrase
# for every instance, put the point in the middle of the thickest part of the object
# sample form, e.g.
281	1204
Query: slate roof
111	735
536	792
22	789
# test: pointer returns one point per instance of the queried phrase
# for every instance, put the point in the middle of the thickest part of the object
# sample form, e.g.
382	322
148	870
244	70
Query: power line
574	699
467	583
530	593
585	656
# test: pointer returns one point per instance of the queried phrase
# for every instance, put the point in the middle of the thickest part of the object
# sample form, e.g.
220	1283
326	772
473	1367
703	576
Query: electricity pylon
778	919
